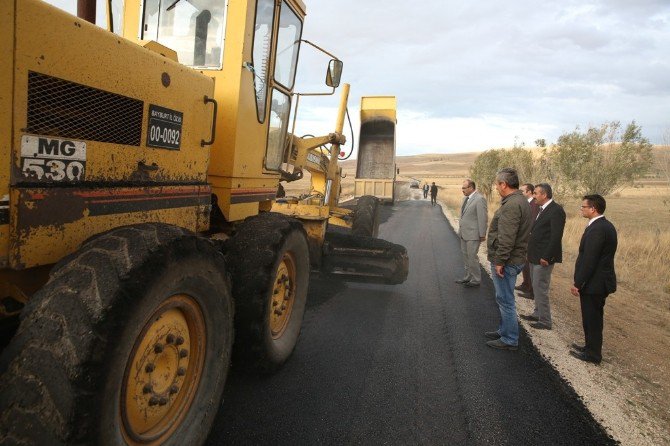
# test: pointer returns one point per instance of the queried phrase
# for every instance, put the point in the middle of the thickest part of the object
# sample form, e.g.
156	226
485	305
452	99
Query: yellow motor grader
140	232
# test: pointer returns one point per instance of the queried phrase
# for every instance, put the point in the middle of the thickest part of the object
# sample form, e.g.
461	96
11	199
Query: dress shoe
526	295
577	347
540	326
492	335
522	287
500	345
528	317
461	280
584	357
471	284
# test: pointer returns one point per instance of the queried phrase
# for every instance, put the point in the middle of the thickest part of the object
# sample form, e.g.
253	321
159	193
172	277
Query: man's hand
500	270
575	291
544	262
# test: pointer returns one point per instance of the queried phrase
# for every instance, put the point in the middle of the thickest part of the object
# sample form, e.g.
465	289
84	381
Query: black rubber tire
253	256
63	369
366	217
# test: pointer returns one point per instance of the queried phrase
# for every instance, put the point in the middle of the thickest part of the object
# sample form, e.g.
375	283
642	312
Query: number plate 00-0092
52	159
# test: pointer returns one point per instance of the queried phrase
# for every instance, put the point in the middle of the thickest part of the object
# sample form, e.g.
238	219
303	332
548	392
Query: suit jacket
474	219
546	235
594	269
534	208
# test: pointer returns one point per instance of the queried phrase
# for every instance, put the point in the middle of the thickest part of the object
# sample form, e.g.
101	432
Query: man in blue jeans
507	245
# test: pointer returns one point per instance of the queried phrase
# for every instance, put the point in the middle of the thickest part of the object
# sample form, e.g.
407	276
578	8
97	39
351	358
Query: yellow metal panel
54	43
49	223
380	188
378	107
6	81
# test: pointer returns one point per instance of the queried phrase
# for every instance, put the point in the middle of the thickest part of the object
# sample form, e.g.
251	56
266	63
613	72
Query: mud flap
364	259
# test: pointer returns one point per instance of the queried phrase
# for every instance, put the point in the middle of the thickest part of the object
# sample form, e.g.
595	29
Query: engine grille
61	108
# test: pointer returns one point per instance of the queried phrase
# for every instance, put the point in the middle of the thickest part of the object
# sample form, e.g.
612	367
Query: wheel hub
283	294
164	371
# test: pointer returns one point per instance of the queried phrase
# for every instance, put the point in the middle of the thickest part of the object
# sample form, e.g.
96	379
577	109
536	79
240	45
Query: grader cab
139	179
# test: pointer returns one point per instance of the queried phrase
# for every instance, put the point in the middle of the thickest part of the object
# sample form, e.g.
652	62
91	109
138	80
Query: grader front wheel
269	262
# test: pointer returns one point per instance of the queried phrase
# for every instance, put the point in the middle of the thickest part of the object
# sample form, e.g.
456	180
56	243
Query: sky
471	76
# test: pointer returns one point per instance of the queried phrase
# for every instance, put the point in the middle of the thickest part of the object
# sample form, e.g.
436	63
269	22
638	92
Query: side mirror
334	73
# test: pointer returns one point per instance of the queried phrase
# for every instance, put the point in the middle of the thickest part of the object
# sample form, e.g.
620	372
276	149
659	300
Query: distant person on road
507	244
426	188
594	276
544	250
433	194
472	231
526	287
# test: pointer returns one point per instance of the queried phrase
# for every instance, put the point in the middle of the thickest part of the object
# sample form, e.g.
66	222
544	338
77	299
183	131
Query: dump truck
140	232
375	167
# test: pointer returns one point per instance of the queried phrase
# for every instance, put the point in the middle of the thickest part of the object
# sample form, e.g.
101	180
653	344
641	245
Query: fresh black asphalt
405	364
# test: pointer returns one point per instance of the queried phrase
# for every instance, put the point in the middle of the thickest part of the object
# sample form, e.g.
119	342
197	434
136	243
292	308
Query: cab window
288	46
261	53
279	114
195	30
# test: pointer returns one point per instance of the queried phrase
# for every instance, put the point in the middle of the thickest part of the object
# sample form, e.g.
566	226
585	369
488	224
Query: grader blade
364	259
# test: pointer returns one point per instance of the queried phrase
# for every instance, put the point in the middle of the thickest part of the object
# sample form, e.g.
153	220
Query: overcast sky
470	76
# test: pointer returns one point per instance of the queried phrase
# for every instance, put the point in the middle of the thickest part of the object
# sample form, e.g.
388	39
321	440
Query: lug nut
162	401
179	340
170	338
181	371
158	348
153	401
278	312
149	368
148	388
174	389
183	353
275	303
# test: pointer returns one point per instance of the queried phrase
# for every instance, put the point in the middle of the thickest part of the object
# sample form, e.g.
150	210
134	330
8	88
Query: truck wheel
128	343
366	217
269	263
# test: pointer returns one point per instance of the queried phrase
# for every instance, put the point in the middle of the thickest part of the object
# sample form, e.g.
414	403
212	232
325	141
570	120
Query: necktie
538	214
463	206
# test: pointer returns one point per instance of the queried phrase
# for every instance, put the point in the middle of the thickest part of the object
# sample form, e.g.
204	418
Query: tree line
598	160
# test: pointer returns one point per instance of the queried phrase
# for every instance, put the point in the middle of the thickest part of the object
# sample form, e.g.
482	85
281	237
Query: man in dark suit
526	286
544	250
433	194
594	277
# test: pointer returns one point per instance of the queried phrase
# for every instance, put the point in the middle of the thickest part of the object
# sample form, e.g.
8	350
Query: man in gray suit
472	231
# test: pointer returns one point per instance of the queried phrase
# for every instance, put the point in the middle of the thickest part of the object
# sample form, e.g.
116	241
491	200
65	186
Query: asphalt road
406	364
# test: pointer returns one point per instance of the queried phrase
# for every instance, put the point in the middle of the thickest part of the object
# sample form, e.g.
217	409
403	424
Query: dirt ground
629	393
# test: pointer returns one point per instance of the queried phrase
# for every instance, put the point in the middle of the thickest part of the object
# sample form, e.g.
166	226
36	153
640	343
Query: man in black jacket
544	250
594	277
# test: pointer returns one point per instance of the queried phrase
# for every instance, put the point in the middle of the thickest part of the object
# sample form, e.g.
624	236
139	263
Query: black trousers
592	321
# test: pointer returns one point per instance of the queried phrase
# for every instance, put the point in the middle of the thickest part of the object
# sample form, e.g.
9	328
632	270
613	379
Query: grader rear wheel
128	343
269	262
163	371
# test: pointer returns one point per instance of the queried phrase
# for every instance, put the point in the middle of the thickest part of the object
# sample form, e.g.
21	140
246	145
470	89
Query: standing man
507	244
433	194
526	286
545	248
594	277
425	190
472	231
